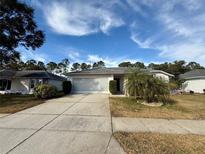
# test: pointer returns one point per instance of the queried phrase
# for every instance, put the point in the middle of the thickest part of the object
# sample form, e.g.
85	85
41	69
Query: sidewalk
158	125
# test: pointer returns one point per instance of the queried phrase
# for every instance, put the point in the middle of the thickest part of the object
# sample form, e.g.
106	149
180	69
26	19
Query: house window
5	84
45	81
32	83
39	81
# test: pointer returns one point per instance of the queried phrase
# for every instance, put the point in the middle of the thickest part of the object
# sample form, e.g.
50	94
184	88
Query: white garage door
89	85
196	85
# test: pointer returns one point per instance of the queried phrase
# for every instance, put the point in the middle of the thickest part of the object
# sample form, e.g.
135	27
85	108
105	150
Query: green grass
154	143
13	103
186	107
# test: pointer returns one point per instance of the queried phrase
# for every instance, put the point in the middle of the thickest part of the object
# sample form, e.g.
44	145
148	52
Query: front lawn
14	103
154	143
186	107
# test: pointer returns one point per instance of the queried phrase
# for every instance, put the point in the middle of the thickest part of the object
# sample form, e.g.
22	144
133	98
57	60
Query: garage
91	84
194	81
96	80
195	85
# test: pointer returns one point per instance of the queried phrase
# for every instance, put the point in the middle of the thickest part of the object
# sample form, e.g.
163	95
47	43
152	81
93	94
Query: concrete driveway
78	123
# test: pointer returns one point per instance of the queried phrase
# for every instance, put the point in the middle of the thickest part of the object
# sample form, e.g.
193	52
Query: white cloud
110	62
73	55
184	51
178	27
135	5
94	58
142	44
81	18
28	55
174	27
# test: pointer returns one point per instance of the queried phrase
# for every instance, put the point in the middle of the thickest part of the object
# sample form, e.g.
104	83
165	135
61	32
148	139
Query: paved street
78	123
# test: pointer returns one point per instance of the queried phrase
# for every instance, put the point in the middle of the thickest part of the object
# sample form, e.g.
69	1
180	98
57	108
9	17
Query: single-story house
24	81
194	81
97	80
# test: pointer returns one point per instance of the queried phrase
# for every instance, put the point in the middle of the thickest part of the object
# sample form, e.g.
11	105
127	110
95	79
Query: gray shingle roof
198	73
5	74
111	70
114	70
31	74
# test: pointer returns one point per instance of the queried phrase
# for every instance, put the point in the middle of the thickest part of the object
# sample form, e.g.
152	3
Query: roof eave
160	71
195	77
74	74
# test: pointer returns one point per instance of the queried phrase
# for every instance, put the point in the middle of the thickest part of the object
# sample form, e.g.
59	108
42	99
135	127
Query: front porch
120	84
22	86
5	86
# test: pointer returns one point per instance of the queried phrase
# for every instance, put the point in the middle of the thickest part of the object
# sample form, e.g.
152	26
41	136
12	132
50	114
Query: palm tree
142	84
155	89
135	82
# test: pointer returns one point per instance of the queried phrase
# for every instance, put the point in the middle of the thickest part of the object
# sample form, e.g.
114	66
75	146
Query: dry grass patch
14	103
154	143
186	107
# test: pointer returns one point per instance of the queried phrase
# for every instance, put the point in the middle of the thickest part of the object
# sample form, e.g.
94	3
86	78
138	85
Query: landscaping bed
185	107
154	143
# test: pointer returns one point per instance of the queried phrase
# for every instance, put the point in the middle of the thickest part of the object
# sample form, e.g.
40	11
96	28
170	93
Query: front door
118	84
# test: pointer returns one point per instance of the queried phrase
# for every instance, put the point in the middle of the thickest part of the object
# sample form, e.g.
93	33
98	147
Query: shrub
143	85
113	86
45	91
67	86
173	85
204	91
155	90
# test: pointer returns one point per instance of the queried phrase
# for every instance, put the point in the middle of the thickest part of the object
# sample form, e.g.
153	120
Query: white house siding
196	85
20	85
56	83
91	83
162	76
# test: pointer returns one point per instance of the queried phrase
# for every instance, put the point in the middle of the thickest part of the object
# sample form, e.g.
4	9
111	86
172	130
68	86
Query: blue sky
120	30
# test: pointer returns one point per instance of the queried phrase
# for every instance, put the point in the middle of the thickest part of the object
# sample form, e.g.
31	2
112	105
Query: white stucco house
194	81
24	81
97	80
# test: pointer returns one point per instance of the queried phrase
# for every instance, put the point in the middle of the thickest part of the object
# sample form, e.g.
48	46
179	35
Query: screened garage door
89	85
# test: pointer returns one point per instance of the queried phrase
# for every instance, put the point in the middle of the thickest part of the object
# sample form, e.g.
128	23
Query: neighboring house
97	80
25	81
194	81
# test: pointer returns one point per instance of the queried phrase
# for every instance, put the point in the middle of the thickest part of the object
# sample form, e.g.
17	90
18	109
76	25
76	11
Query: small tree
135	82
17	29
67	86
155	90
76	67
99	64
113	86
143	85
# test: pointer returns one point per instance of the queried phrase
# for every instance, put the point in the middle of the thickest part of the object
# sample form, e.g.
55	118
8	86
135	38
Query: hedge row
113	86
